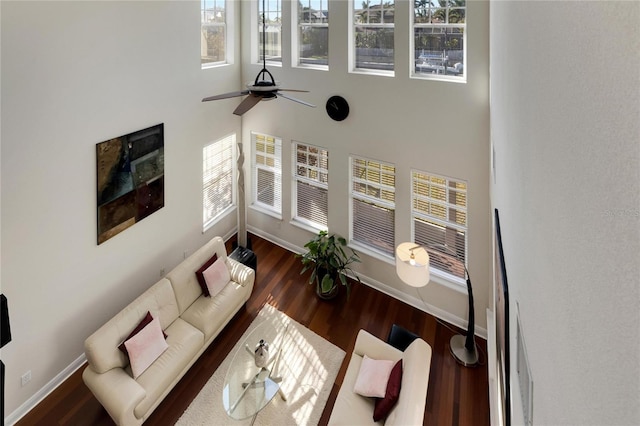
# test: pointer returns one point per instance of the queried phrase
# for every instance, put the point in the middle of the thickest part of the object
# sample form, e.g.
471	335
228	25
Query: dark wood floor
456	395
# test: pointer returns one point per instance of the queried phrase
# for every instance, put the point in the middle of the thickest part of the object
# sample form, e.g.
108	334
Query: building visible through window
439	39
213	39
373	34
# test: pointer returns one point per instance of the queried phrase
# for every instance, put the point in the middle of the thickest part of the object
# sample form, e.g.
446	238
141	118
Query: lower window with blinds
266	167
373	205
218	180
439	213
311	186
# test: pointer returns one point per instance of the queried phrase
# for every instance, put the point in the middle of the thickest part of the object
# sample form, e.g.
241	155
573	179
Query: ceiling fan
263	88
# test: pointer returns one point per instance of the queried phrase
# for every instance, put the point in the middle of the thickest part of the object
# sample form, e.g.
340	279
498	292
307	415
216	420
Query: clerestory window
273	30
439	39
372	37
213	37
311	39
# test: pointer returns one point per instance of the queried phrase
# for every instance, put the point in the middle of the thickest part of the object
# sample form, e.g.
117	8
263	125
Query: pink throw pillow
217	277
145	347
146	320
373	377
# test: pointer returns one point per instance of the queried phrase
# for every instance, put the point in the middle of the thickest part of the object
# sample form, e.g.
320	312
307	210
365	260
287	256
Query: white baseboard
390	291
30	403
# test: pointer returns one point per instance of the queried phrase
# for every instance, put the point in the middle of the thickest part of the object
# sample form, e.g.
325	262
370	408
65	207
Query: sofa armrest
367	343
118	393
240	273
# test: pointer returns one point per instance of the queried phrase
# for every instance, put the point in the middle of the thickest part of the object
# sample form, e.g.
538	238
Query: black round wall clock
337	108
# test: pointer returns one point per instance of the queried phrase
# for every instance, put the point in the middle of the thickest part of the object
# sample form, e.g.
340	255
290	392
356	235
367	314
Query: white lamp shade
413	271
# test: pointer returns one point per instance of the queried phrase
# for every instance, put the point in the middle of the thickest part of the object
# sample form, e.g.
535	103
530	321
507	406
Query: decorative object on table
329	264
262	354
337	108
262	88
412	266
130	179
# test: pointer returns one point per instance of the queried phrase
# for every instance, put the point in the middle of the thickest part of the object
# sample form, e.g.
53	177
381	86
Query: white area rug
310	365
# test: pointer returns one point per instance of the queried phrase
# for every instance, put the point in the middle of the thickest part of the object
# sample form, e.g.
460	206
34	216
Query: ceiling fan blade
296	100
248	103
226	95
293	90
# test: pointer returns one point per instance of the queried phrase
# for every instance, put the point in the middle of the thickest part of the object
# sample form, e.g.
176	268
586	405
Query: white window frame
228	36
218	169
441	62
259	160
297	26
258	26
352	41
315	175
370	198
437	209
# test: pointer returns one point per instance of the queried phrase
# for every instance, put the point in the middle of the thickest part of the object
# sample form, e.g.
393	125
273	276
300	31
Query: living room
551	115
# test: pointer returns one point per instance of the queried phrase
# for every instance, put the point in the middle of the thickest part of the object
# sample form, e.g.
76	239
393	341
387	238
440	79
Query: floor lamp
412	266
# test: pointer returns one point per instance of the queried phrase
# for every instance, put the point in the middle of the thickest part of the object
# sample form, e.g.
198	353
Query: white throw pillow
217	277
373	377
145	347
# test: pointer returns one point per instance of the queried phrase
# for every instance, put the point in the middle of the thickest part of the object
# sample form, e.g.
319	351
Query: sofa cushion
184	341
384	405
145	347
373	377
210	314
200	274
216	277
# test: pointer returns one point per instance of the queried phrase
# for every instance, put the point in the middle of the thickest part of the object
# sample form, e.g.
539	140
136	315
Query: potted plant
329	264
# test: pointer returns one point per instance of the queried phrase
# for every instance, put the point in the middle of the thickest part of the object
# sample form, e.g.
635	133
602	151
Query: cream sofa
191	322
352	409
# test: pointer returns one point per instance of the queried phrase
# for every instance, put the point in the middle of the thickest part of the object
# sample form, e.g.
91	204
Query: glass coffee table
247	388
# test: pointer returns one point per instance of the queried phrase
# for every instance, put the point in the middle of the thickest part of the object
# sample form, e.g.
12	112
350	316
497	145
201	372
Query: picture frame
129	180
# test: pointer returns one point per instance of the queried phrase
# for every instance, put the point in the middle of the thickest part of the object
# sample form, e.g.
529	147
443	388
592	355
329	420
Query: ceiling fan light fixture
262	88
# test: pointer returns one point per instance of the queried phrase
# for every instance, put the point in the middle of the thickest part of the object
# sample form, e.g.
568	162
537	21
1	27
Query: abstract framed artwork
130	179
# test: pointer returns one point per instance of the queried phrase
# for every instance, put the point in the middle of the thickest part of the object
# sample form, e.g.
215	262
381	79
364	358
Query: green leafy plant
329	262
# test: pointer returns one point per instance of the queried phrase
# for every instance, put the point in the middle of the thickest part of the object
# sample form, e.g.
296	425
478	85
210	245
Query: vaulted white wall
441	127
565	110
75	74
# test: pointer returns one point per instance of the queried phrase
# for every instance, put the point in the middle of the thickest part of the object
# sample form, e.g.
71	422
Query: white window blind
213	39
439	212
218	180
373	204
267	172
311	180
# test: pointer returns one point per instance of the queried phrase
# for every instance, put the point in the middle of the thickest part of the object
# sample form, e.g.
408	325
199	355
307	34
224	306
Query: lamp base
460	352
